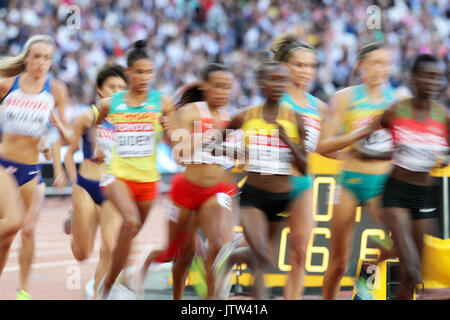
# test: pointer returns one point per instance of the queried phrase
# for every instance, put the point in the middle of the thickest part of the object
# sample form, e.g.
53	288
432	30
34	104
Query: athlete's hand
283	135
47	153
64	132
60	181
56	122
373	126
443	161
99	156
165	123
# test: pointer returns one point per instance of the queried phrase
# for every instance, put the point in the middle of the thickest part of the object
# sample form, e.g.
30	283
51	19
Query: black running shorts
272	204
420	200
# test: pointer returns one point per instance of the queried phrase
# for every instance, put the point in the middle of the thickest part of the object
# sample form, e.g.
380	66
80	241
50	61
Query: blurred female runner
367	164
267	190
28	96
132	176
204	102
89	206
420	131
26	250
301	61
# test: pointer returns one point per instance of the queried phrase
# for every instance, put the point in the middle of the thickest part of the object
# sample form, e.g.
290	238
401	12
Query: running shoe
386	248
23	295
223	283
362	290
100	289
198	268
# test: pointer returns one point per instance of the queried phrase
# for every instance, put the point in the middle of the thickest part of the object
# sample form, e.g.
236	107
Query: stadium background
183	35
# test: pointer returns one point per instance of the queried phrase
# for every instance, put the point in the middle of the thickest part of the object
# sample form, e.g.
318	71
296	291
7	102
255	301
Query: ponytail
189	93
13	66
285	44
354	74
138	52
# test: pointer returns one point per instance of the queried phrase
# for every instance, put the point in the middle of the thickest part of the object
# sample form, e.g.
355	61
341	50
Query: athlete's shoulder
342	98
438	110
89	115
400	107
345	93
167	103
252	108
321	105
104	105
57	86
190	110
5	86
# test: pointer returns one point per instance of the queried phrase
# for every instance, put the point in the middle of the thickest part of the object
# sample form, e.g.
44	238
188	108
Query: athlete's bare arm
59	176
237	122
103	109
332	140
325	112
181	139
446	158
59	92
5	85
168	119
81	124
298	151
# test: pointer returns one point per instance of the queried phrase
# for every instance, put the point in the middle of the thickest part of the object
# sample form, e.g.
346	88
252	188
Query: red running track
55	274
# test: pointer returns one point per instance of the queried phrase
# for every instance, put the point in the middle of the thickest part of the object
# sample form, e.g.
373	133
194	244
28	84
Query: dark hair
138	52
191	92
265	68
212	67
284	45
112	70
364	50
362	53
422	58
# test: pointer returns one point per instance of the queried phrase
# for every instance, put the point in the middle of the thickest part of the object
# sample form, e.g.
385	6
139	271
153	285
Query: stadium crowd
184	34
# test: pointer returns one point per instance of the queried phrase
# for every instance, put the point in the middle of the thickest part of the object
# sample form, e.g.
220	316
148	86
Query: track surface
56	275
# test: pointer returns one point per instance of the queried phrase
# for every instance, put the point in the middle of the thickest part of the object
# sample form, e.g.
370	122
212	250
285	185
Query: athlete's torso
205	168
267	153
360	113
94	138
137	132
312	119
25	119
418	144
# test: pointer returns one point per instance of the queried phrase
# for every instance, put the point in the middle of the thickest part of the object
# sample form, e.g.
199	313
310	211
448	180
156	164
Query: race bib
312	133
27	114
269	155
417	150
134	139
105	141
417	158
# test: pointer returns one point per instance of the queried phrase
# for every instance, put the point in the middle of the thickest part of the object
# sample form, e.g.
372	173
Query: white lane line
58	264
51	264
49	253
75	262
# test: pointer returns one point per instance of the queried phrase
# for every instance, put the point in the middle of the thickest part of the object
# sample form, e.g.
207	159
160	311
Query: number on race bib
135	144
